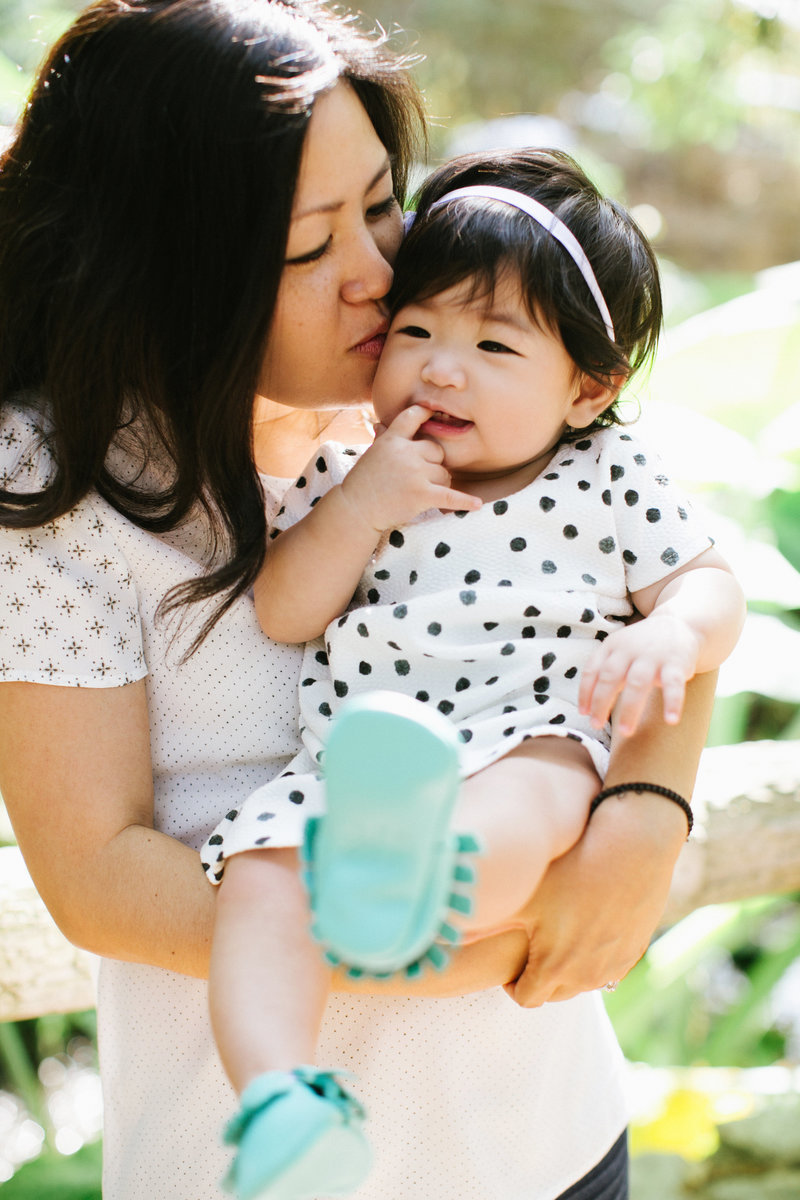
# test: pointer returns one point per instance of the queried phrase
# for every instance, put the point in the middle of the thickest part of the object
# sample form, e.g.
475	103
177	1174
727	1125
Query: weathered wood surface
746	840
746	843
40	972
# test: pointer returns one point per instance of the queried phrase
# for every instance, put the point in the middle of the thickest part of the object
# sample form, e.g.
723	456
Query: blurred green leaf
738	363
784	510
19	1070
674	1009
57	1177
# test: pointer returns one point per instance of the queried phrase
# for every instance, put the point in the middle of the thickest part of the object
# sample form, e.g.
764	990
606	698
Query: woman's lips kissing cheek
372	345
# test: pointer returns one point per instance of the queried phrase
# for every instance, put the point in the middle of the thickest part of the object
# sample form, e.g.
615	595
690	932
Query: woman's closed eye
312	255
376	212
383	209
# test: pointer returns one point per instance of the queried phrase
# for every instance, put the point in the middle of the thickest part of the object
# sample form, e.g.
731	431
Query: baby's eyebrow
510	319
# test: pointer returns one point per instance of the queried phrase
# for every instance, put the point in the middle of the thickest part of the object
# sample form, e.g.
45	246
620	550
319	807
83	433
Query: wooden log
746	843
746	840
40	971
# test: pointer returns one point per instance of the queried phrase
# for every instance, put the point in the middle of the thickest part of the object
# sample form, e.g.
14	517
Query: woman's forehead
342	155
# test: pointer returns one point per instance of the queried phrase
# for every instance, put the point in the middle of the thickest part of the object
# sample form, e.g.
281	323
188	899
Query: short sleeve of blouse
324	471
657	529
69	612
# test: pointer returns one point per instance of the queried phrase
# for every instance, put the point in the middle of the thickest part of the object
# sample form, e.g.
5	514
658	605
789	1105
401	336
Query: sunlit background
688	111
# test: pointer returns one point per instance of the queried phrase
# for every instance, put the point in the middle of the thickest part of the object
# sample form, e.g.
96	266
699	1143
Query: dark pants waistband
608	1180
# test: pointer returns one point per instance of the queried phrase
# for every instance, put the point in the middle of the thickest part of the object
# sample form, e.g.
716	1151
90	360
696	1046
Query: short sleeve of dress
657	528
274	489
324	471
69	612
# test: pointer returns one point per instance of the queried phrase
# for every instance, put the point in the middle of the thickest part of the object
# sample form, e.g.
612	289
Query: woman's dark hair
144	212
479	240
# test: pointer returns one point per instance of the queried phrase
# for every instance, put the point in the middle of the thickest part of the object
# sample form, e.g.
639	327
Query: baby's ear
593	398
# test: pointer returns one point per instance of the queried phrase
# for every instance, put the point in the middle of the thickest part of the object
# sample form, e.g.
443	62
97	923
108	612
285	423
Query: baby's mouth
443	418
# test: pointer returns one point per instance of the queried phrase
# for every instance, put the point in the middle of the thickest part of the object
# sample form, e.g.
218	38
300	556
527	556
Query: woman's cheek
389	239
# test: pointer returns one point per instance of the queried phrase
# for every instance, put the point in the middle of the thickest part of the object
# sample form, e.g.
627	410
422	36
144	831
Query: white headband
548	221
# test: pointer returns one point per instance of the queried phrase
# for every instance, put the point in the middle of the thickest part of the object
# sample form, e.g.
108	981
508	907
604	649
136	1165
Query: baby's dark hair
481	239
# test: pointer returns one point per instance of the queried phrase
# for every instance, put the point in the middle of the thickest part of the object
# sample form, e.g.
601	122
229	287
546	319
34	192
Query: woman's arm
75	774
76	777
598	906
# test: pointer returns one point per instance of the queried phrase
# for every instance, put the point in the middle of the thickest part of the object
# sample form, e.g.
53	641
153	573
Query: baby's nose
443	371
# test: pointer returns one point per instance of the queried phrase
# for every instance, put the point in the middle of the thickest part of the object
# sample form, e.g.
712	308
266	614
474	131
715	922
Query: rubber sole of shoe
383	859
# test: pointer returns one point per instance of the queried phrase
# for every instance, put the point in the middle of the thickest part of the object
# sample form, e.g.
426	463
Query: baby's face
500	388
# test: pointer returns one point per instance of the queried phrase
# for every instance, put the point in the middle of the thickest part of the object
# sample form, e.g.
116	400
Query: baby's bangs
462	242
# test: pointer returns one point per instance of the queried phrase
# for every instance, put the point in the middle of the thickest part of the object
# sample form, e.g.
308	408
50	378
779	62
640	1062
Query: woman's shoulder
68	602
27	465
66	547
26	461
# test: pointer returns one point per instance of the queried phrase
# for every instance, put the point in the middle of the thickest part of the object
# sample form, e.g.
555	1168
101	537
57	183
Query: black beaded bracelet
645	787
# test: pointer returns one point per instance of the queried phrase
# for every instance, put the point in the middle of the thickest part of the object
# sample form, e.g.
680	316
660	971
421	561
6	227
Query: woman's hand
599	905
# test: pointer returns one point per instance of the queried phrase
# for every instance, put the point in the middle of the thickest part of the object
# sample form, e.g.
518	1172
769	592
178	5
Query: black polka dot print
505	606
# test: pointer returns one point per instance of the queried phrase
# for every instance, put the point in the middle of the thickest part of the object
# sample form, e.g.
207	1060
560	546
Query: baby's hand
659	651
400	477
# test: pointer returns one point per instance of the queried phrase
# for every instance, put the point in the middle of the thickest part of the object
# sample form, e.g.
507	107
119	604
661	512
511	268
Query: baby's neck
499	484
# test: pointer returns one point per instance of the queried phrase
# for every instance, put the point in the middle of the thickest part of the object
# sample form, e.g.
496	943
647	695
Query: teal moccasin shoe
382	862
299	1136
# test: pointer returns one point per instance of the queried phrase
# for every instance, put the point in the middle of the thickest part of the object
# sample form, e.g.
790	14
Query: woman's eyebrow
335	205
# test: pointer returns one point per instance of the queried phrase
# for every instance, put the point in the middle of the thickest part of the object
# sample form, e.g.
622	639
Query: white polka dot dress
487	616
470	1098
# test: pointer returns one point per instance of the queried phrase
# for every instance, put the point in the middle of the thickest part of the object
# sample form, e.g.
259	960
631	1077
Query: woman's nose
443	370
370	275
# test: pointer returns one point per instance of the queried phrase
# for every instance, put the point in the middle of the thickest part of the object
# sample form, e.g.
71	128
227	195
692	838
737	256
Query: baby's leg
525	809
268	983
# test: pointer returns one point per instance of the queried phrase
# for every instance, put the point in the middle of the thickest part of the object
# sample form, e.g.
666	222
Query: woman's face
329	324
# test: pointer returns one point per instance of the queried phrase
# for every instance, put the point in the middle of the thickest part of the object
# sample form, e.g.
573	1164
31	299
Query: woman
200	208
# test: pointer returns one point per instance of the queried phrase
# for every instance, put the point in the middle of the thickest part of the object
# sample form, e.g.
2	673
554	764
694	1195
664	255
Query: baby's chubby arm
693	619
312	570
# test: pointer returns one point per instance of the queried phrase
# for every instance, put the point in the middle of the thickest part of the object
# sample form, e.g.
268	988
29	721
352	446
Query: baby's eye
415	331
495	348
